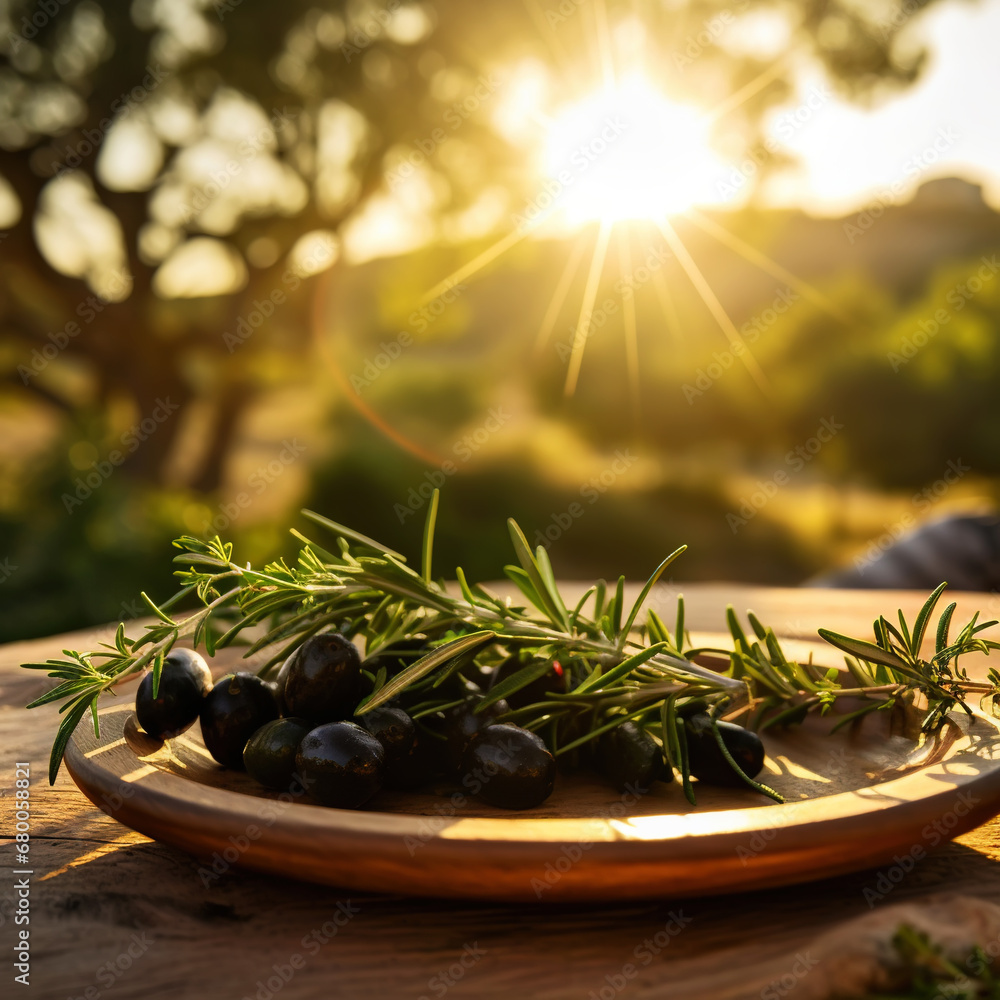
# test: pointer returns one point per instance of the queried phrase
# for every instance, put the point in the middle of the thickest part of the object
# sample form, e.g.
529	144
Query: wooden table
115	915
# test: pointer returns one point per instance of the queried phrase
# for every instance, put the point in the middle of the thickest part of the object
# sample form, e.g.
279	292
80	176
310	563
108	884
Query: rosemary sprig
922	971
618	666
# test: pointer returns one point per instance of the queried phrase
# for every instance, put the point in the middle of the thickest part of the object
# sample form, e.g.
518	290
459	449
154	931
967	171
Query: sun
628	151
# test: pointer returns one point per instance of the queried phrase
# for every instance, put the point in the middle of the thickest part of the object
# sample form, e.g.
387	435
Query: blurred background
635	272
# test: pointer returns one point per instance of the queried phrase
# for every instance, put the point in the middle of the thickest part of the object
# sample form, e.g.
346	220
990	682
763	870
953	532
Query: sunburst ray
560	294
754	86
714	306
477	263
587	307
767	264
629	321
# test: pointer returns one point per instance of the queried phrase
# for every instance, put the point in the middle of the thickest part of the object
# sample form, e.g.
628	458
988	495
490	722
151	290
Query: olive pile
302	729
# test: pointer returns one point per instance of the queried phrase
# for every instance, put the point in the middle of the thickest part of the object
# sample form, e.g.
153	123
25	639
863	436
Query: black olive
393	728
232	712
631	759
425	761
321	682
706	760
184	681
537	690
457	685
694	706
462	722
269	756
397	657
509	767
341	765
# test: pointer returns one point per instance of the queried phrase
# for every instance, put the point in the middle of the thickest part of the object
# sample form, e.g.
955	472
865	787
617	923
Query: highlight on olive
184	681
232	712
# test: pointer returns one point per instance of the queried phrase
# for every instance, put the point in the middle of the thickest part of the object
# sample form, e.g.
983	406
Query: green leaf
522	550
66	729
905	630
923	618
736	630
122	643
641	599
600	594
684	764
616	618
343	532
157	671
427	550
467	594
620	669
209	637
423	666
511	685
890	632
574	615
756	625
787	717
549	578
657	630
66	689
151	604
615	722
524	584
755	785
311	553
863	650
679	626
774	649
847	719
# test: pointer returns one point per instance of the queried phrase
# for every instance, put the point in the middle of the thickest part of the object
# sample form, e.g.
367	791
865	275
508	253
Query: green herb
927	974
620	665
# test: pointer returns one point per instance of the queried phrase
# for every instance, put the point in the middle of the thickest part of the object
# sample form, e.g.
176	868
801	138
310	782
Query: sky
849	156
946	124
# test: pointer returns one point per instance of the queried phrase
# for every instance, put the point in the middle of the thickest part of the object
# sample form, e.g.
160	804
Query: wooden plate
861	798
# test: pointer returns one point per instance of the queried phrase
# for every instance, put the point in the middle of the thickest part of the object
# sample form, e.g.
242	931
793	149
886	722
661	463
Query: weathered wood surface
100	890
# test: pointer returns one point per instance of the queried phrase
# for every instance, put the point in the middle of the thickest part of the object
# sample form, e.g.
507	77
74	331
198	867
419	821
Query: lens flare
629	152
